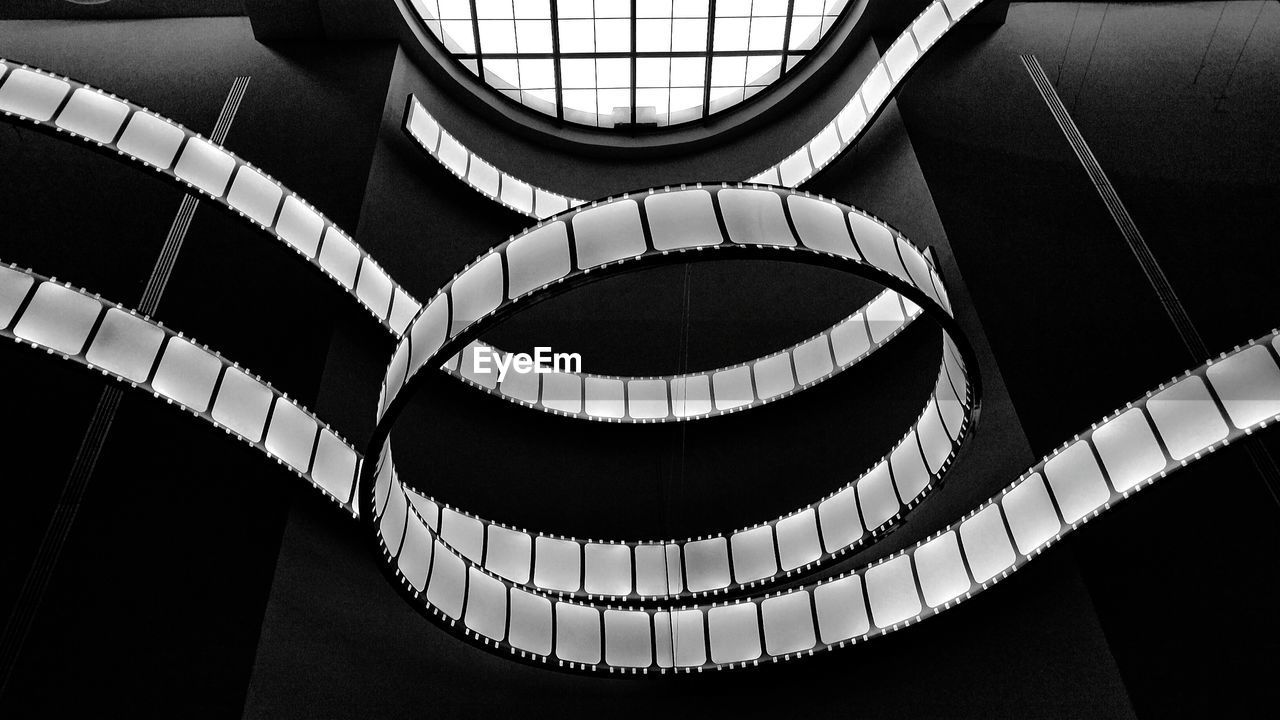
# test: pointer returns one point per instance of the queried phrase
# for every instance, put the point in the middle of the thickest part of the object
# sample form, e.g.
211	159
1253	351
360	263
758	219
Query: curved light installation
537	263
112	124
606	63
1179	422
131	348
638	606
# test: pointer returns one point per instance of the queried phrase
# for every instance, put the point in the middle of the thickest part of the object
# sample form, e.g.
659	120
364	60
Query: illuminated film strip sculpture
628	606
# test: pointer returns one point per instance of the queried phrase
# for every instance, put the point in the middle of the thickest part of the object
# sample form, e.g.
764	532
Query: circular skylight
612	63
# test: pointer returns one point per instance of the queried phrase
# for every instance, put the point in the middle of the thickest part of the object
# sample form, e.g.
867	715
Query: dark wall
200	577
156	604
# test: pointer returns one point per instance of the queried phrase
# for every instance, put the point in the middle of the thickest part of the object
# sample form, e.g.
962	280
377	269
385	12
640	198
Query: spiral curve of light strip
620	606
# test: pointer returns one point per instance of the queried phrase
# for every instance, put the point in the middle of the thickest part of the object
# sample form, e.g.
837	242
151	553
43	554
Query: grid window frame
599	33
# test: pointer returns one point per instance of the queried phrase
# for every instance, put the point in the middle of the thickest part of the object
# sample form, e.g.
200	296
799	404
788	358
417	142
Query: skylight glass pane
502	74
494	9
610	100
729	71
578	73
613	73
582	100
653	72
497	36
458	36
613	8
689	34
725	97
763	69
685	98
613	35
535	74
686	104
576	9
653	35
766	33
533	9
533	36
577	36
689	8
804	32
688	72
540	100
772	8
455	9
653	9
731	33
657	98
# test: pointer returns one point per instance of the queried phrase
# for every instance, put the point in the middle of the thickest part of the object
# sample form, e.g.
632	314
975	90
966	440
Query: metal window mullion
711	37
475	34
786	37
555	57
634	34
615	54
